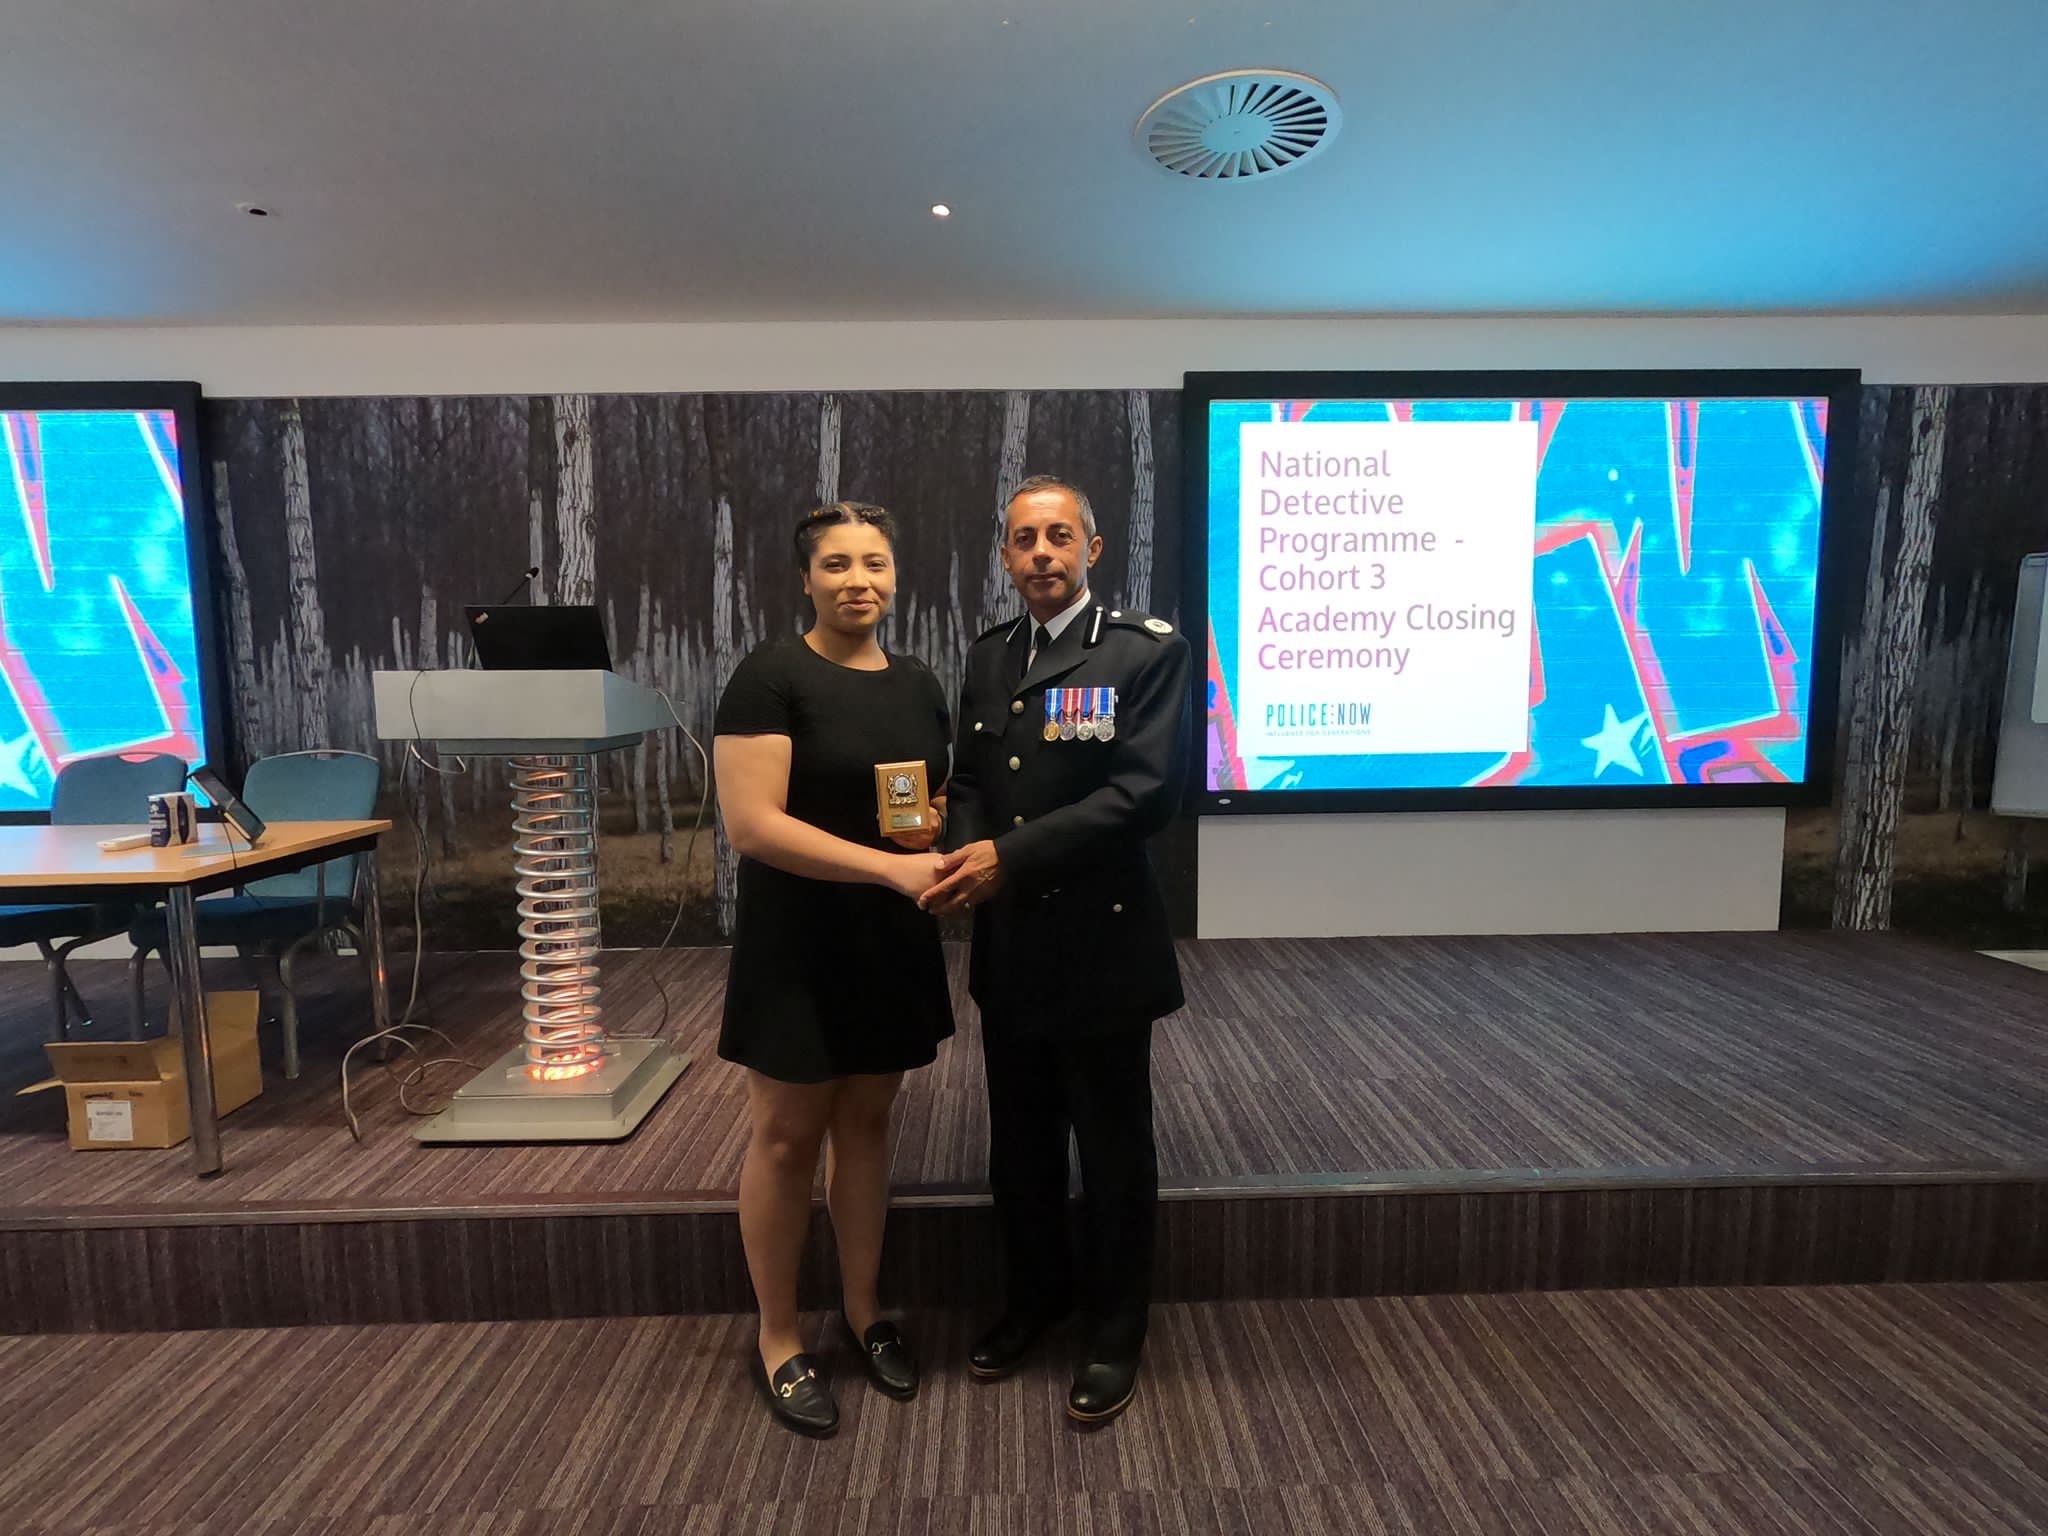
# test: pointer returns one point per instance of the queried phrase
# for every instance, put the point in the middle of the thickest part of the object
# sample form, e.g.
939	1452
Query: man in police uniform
1072	746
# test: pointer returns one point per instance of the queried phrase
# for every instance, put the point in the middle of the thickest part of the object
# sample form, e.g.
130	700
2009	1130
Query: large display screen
103	623
1501	590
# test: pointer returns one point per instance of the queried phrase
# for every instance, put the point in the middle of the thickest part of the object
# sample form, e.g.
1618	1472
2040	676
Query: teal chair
109	791
285	914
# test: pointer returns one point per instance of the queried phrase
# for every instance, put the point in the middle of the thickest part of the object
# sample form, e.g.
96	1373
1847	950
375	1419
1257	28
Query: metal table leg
182	946
373	945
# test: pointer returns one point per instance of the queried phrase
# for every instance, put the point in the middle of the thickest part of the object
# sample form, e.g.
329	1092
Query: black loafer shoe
1102	1390
890	1364
797	1395
1006	1345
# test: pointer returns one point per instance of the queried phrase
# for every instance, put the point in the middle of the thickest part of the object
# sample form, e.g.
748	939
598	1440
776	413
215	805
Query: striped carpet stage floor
1295	1059
1335	1118
1850	1412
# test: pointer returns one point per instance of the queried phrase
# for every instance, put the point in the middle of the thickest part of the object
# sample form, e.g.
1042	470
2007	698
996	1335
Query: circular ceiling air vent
1241	125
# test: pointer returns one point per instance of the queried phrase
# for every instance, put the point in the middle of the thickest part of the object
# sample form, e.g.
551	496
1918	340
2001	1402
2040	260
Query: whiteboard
2019	787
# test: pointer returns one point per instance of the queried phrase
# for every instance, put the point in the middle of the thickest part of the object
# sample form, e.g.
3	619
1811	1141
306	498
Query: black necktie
1040	639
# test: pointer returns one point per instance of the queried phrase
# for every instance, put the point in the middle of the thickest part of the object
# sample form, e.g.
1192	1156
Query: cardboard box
131	1093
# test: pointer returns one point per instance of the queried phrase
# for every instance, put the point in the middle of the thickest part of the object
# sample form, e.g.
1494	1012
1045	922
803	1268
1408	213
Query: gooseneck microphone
524	584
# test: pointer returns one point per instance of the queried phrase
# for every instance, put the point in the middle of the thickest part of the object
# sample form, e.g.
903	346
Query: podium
568	1080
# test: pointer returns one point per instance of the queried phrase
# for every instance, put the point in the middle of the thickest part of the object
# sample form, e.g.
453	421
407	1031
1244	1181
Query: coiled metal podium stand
568	1080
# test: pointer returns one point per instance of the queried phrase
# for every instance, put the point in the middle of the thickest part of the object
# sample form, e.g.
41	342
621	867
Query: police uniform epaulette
1130	618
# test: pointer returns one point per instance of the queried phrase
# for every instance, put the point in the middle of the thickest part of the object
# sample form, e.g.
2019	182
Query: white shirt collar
1059	621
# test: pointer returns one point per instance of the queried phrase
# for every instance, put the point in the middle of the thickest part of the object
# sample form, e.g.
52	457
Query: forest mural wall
352	531
1951	489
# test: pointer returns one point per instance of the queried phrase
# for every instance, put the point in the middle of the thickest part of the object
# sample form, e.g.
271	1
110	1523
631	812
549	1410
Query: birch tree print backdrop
353	531
1951	490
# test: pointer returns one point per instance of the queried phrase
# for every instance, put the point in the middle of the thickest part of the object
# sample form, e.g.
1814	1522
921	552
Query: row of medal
1083	714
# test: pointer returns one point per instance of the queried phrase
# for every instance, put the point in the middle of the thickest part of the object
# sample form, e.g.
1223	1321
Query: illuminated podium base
502	1103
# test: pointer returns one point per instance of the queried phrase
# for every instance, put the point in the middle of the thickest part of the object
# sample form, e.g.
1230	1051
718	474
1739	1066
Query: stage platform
1335	1117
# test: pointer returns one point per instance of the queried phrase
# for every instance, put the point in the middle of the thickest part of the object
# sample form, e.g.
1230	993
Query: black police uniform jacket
1078	938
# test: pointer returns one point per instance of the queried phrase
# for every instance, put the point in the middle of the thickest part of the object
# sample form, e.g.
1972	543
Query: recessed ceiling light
254	210
941	211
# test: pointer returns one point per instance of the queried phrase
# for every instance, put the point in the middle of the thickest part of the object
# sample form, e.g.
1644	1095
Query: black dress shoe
1102	1390
1004	1347
886	1355
796	1394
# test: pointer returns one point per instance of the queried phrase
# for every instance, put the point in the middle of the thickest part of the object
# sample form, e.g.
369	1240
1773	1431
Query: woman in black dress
837	985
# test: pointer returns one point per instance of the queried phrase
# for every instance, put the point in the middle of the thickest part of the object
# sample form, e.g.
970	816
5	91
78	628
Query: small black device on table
232	811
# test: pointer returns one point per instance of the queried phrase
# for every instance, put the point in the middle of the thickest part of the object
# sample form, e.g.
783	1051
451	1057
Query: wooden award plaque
902	797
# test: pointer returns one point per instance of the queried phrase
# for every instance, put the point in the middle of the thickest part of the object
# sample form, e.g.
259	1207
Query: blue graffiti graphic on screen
97	640
1677	550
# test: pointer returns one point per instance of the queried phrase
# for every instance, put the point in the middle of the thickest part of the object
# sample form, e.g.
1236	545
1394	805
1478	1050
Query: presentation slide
98	648
1419	595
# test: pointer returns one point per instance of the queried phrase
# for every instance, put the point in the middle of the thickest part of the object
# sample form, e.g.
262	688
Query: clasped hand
946	882
965	876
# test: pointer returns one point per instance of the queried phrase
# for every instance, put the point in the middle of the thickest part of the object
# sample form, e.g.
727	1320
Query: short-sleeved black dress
830	979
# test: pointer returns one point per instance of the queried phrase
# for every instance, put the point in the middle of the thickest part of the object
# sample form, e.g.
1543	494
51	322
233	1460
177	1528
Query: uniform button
977	725
1116	613
1016	821
1016	763
1117	907
1016	706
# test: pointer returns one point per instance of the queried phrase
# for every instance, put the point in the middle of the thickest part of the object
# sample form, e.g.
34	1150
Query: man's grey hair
1054	483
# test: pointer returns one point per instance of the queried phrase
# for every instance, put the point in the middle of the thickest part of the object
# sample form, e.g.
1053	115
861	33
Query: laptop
521	638
232	810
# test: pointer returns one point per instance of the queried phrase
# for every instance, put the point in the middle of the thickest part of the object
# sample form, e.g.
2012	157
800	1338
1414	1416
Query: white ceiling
500	160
